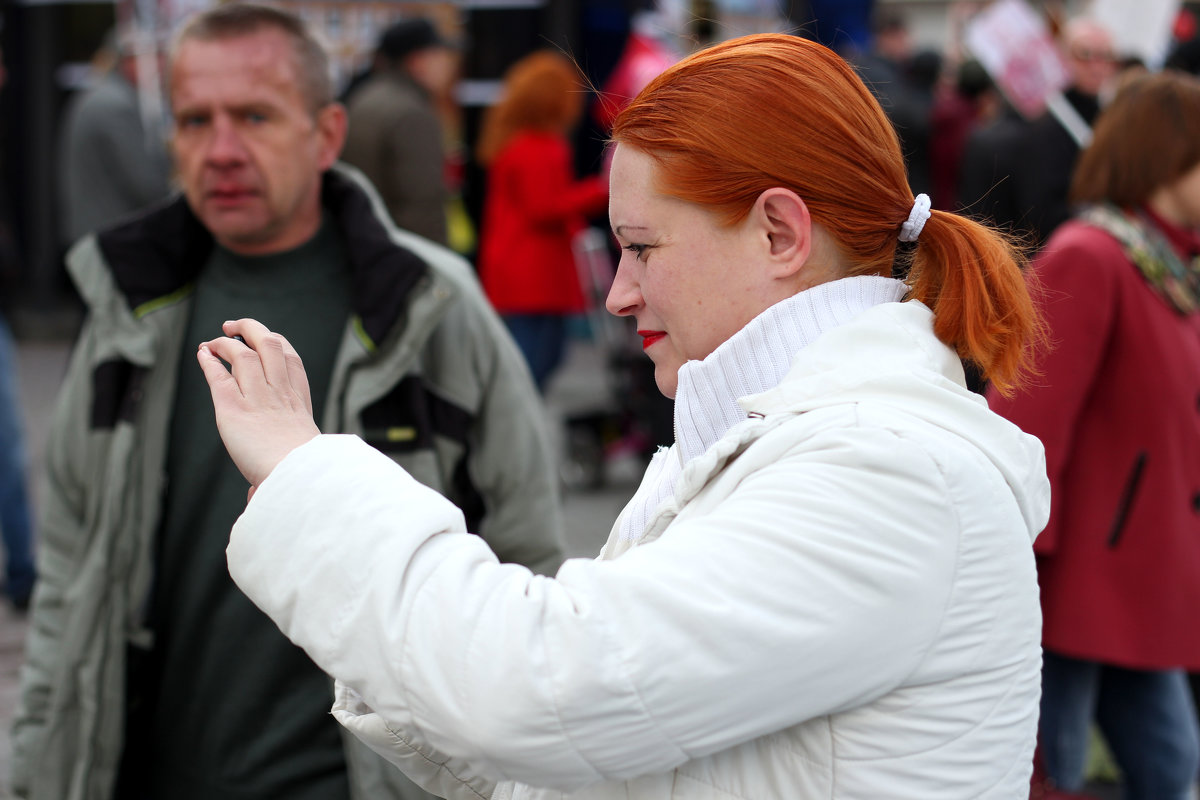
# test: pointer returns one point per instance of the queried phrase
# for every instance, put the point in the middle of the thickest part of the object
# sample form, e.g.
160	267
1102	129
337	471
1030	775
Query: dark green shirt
241	713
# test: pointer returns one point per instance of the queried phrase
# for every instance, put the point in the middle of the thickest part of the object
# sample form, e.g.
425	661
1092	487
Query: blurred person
844	26
1031	161
824	589
648	50
16	529
902	80
959	107
1116	407
395	134
148	674
533	206
988	170
110	163
1185	56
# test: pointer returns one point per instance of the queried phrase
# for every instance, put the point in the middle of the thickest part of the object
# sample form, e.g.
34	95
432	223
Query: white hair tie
912	226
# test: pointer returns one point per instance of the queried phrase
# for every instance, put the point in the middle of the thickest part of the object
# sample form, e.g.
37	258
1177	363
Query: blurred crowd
146	220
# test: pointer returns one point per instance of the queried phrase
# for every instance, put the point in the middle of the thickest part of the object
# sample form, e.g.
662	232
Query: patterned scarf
1147	247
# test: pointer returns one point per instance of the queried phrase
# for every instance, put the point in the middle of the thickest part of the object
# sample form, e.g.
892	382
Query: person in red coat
534	206
1118	410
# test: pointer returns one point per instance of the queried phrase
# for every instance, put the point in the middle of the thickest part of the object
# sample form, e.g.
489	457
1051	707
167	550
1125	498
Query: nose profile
624	296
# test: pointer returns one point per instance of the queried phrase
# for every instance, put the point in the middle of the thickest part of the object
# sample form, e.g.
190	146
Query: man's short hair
234	20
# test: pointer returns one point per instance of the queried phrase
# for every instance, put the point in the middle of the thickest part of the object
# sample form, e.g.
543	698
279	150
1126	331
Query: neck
1164	203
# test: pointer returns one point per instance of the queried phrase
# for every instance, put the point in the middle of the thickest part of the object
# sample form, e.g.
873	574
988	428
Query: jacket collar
706	402
161	252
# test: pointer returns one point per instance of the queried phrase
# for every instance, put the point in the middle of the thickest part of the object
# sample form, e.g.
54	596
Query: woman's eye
639	251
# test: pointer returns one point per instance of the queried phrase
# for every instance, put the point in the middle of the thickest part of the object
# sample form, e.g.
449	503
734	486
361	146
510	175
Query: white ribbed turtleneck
753	360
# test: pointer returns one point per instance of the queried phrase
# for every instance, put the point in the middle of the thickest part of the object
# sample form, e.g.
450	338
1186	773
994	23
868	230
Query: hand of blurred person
263	406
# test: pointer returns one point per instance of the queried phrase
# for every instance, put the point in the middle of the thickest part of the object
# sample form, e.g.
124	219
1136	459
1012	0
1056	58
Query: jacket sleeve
544	187
1079	286
784	603
60	533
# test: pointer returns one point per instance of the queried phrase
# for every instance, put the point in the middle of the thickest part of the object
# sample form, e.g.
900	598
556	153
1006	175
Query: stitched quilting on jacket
839	601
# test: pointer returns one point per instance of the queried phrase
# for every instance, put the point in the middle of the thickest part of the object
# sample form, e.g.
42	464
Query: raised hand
262	402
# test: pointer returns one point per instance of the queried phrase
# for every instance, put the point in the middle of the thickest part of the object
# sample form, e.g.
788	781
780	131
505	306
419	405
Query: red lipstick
650	337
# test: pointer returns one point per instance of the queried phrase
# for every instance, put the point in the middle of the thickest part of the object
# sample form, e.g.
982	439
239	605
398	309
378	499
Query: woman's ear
788	229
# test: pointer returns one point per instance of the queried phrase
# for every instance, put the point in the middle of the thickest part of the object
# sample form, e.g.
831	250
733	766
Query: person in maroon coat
1118	410
534	206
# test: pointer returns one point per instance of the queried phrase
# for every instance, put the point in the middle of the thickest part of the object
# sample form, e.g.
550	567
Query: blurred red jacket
534	206
1117	406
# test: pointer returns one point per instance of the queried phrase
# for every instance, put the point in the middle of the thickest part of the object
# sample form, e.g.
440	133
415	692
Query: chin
667	380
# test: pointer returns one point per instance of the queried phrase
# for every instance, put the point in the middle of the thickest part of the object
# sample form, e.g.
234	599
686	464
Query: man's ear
787	227
331	127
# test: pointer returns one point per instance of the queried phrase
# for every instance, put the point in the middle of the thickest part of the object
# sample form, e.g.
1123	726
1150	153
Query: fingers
261	401
224	386
273	355
252	331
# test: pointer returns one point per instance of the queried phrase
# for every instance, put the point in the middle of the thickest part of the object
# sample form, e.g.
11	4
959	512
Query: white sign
1140	29
1014	45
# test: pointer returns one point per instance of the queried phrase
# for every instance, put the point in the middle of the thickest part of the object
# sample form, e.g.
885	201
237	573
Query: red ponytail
970	276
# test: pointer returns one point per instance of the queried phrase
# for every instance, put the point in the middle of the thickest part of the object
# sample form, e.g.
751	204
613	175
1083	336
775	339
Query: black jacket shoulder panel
384	272
157	252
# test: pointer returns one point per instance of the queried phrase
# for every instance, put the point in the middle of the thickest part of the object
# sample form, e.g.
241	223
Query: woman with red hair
535	206
825	588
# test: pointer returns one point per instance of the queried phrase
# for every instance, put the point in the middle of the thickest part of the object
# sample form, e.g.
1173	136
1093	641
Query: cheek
184	157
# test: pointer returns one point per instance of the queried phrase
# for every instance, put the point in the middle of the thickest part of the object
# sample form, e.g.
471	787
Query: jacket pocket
1117	528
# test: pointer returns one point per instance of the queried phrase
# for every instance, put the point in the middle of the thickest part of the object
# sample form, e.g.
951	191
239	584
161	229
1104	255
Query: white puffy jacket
839	602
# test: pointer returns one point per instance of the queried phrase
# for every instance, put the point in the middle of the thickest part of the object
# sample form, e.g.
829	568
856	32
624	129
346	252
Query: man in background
900	79
1017	173
395	134
111	164
148	673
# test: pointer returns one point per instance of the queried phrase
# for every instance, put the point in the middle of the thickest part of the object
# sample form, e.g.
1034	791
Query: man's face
1090	58
248	148
434	68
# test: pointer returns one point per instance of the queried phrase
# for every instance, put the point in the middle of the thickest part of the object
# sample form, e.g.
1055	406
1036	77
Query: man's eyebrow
617	230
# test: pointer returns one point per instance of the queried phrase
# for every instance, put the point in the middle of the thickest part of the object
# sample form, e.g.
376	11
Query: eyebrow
617	230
